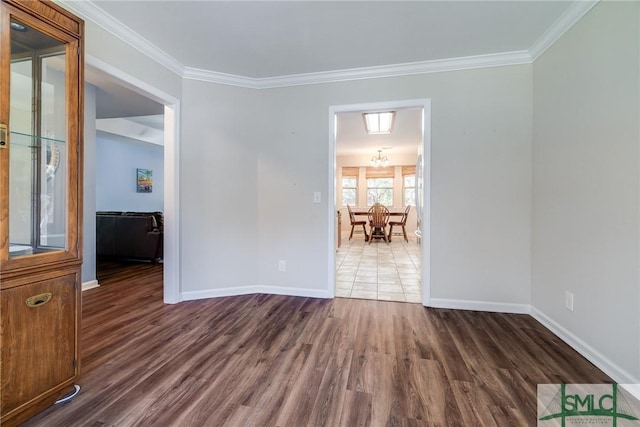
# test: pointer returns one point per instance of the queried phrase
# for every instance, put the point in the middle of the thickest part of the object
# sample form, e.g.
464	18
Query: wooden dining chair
401	223
355	223
378	218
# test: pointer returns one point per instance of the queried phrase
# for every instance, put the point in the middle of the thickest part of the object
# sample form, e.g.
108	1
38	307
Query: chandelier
379	160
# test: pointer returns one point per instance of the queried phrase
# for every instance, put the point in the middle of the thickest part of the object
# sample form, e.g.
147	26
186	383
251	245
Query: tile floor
379	271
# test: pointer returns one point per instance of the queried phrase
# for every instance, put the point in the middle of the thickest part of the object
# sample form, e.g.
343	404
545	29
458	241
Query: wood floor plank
297	408
480	364
373	374
356	410
278	387
472	408
271	360
446	350
327	409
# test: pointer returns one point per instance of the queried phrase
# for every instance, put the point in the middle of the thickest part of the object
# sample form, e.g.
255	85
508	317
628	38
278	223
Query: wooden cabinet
41	111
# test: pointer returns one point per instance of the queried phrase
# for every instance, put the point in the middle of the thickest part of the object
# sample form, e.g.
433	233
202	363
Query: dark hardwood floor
264	360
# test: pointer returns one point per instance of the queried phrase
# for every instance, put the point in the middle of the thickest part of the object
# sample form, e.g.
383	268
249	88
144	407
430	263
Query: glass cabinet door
41	110
37	142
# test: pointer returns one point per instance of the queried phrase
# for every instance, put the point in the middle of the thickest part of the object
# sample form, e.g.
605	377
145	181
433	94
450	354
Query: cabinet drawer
39	330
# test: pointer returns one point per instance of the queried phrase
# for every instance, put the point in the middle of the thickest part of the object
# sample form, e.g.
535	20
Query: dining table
364	211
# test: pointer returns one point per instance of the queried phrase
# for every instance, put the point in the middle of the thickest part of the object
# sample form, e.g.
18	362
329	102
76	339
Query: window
380	190
409	182
409	185
350	185
349	191
380	185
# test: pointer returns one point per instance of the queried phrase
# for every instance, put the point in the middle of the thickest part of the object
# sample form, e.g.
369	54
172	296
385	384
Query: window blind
350	171
386	172
408	170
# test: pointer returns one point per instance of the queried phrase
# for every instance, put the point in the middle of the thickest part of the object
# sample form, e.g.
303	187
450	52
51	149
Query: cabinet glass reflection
37	140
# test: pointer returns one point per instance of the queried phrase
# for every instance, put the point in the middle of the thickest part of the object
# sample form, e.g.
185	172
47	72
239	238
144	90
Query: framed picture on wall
144	180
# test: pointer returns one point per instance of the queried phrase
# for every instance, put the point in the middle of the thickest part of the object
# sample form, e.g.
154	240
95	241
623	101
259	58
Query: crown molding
424	67
90	11
221	78
568	19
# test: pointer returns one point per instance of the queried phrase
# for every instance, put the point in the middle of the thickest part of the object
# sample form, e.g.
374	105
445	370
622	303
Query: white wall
89	189
586	187
219	189
481	179
274	162
116	175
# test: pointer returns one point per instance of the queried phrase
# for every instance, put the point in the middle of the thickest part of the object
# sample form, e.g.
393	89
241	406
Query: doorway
96	69
398	270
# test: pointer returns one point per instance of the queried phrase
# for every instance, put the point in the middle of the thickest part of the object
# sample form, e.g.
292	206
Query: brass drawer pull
38	300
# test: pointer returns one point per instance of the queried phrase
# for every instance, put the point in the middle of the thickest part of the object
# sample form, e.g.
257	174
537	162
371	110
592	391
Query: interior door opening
102	73
387	170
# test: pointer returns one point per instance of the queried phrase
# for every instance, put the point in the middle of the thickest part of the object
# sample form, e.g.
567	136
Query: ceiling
276	39
114	100
352	138
263	39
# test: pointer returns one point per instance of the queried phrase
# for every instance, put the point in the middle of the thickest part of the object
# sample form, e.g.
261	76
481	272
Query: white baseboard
618	374
90	285
498	307
257	289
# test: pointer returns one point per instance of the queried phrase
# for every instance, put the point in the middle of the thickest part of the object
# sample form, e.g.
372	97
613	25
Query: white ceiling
262	39
114	100
352	138
271	40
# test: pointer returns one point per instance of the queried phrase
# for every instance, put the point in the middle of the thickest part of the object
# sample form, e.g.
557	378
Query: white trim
425	225
91	284
497	307
257	289
618	374
171	250
331	203
573	14
636	389
171	255
393	70
90	11
425	104
220	78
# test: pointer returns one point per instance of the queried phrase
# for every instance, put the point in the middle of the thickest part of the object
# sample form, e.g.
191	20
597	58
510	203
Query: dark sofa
129	235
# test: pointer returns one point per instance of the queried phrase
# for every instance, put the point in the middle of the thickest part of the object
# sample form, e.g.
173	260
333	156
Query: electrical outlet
282	265
568	300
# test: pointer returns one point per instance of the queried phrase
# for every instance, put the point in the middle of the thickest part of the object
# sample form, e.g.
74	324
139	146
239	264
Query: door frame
425	266
171	251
